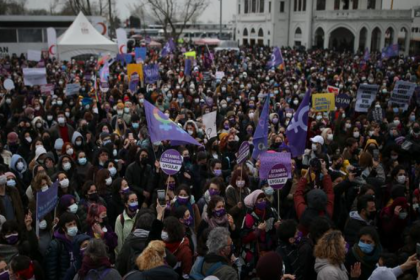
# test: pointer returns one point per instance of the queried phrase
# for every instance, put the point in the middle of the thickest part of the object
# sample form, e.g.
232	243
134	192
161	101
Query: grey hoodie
13	162
327	271
75	135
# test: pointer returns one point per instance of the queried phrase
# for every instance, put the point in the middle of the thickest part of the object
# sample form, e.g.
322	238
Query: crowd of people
350	210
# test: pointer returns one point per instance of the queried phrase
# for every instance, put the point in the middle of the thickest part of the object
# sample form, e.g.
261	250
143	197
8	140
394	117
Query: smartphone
161	197
418	250
376	154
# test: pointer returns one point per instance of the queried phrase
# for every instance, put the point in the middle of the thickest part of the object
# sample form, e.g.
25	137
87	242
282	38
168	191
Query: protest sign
206	76
220	75
46	201
151	73
140	54
138	68
191	54
342	100
34	76
48	89
243	152
366	94
323	102
134	81
8	84
401	94
209	121
332	89
171	162
72	89
270	159
34	55
278	175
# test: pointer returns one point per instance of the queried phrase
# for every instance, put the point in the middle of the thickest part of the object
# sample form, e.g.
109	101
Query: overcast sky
212	14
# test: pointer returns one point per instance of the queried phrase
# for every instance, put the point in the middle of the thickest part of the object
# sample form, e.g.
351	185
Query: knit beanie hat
317	199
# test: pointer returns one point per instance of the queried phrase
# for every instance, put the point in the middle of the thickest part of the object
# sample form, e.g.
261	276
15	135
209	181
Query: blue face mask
135	125
366	248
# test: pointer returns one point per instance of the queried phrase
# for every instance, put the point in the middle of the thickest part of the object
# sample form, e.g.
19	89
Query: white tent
82	38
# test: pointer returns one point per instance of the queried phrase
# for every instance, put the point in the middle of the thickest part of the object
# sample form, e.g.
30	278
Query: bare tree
171	12
12	7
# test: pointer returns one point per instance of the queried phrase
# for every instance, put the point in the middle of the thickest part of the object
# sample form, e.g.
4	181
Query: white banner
52	42
34	76
401	94
121	40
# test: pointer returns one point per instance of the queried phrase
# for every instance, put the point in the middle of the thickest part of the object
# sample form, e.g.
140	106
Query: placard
209	121
72	89
332	89
366	95
34	76
171	162
270	159
243	152
323	102
402	93
278	175
342	100
8	84
46	201
34	55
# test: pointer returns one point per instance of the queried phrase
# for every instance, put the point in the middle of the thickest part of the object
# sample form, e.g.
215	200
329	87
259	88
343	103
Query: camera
315	165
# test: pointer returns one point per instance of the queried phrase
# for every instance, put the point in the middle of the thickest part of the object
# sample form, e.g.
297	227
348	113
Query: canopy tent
208	41
82	38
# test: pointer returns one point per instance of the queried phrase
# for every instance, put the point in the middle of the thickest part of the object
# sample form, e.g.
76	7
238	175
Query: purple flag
366	55
161	128
276	59
120	58
151	73
168	48
148	39
104	73
261	132
298	127
390	51
187	69
128	58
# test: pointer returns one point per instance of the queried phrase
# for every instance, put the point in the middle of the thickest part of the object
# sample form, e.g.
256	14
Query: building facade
339	24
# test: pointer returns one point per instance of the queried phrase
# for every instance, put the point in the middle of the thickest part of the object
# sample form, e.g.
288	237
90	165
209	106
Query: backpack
100	275
200	275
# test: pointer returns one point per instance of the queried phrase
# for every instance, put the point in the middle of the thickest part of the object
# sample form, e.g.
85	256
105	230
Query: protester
354	168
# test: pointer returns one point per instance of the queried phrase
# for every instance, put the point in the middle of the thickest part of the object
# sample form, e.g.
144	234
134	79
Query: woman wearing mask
366	251
66	165
184	217
258	229
330	254
67	203
113	169
99	228
216	216
213	187
41	182
89	195
125	221
65	186
23	268
229	147
59	256
68	149
82	165
236	192
96	263
173	234
183	197
397	178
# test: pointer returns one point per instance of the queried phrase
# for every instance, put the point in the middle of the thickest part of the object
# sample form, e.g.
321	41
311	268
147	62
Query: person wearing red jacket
319	202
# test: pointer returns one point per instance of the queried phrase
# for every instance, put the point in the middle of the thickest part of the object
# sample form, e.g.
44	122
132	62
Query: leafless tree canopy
170	12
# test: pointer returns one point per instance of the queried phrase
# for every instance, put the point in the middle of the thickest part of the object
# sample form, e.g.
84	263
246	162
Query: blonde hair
330	247
152	256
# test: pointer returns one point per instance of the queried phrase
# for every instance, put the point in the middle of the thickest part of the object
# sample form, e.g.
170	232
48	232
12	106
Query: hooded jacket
352	227
327	271
77	264
58	258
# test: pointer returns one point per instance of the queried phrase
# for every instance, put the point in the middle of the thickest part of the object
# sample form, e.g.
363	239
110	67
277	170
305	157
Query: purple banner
243	152
342	100
151	73
270	159
46	201
278	175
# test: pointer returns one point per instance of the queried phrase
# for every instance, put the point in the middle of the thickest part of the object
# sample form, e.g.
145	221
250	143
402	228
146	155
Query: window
298	33
282	7
371	4
239	9
262	6
254	6
260	33
355	4
346	5
337	4
246	7
245	32
304	5
269	7
8	36
295	6
320	5
300	5
30	35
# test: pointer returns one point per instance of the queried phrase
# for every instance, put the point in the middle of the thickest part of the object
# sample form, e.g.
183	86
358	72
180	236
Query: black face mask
232	145
105	221
144	161
371	215
93	196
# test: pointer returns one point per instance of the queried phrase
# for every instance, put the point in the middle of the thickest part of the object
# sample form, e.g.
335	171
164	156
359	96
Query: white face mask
78	143
29	139
43	224
70	151
66	166
20	166
113	171
330	137
108	181
356	134
61	120
240	183
164	235
38	125
64	183
73	208
314	147
401	179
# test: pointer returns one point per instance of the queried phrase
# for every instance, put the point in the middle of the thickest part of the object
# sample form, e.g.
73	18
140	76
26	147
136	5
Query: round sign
243	152
277	177
171	162
8	84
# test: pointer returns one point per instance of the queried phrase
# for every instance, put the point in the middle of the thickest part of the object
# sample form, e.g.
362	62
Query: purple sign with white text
170	162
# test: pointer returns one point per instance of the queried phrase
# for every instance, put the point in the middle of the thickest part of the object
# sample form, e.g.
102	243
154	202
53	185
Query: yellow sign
323	102
191	54
135	68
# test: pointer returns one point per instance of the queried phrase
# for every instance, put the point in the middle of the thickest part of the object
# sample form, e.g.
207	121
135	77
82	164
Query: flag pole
278	203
